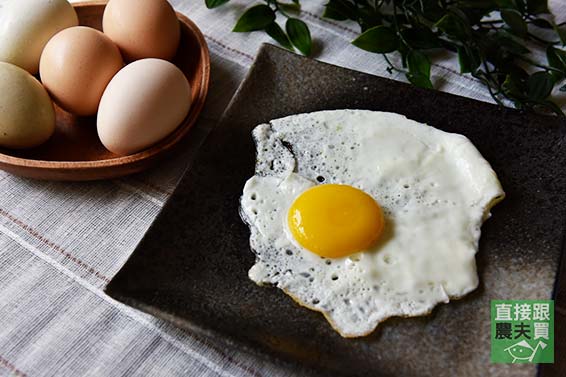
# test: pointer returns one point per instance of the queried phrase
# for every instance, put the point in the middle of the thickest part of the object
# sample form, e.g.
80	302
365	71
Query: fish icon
524	351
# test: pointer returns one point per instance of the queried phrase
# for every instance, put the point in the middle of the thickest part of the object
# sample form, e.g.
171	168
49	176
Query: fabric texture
61	243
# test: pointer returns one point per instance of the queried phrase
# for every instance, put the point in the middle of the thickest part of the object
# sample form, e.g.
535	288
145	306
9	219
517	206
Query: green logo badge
522	331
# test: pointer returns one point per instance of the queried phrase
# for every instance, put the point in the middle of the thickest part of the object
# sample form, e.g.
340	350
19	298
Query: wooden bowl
74	152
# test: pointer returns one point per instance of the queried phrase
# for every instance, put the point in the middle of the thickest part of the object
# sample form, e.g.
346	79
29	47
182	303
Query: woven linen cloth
61	243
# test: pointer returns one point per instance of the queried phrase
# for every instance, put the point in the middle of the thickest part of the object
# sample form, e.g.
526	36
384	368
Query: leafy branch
264	17
493	40
490	38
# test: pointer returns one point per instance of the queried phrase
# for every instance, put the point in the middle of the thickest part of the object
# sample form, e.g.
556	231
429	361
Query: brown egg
142	28
75	67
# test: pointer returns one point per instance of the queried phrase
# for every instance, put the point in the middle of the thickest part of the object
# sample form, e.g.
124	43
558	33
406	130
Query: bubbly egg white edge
493	196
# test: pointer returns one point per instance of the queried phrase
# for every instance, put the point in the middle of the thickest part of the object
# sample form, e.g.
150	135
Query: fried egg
365	215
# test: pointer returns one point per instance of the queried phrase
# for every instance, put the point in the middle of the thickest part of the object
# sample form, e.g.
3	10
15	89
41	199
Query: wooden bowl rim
162	146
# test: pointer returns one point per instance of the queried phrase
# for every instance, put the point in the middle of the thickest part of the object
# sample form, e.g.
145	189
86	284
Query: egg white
435	190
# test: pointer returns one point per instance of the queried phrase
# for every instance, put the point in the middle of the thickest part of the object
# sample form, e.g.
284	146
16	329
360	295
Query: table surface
60	243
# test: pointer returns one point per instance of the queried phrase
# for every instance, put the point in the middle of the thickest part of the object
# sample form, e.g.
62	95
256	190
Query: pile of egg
122	75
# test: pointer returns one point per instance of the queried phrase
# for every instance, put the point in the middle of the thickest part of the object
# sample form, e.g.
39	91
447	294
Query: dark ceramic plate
191	267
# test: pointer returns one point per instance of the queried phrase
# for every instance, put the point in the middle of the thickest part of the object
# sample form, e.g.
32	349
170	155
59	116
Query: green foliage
489	37
263	17
469	59
299	35
540	85
275	32
515	21
419	69
215	3
257	17
379	39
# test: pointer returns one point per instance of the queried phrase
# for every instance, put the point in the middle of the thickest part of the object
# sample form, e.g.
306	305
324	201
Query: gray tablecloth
61	243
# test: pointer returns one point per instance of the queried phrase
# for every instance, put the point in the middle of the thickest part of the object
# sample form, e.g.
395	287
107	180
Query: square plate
191	267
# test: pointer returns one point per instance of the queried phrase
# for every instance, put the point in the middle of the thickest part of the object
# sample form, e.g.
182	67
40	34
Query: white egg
27	25
435	190
143	104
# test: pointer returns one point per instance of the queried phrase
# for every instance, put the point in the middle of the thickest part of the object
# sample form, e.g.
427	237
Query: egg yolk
335	220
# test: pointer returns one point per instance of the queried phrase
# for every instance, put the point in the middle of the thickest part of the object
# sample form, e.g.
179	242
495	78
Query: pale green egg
27	117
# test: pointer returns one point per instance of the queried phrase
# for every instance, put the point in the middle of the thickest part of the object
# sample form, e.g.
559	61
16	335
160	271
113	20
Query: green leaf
378	39
215	3
561	31
561	55
432	10
275	32
521	6
537	6
550	106
340	10
460	14
476	4
515	21
517	72
299	35
510	43
255	18
290	7
453	26
505	4
418	63
419	80
420	38
368	18
542	23
513	87
469	59
539	85
333	14
556	59
404	52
